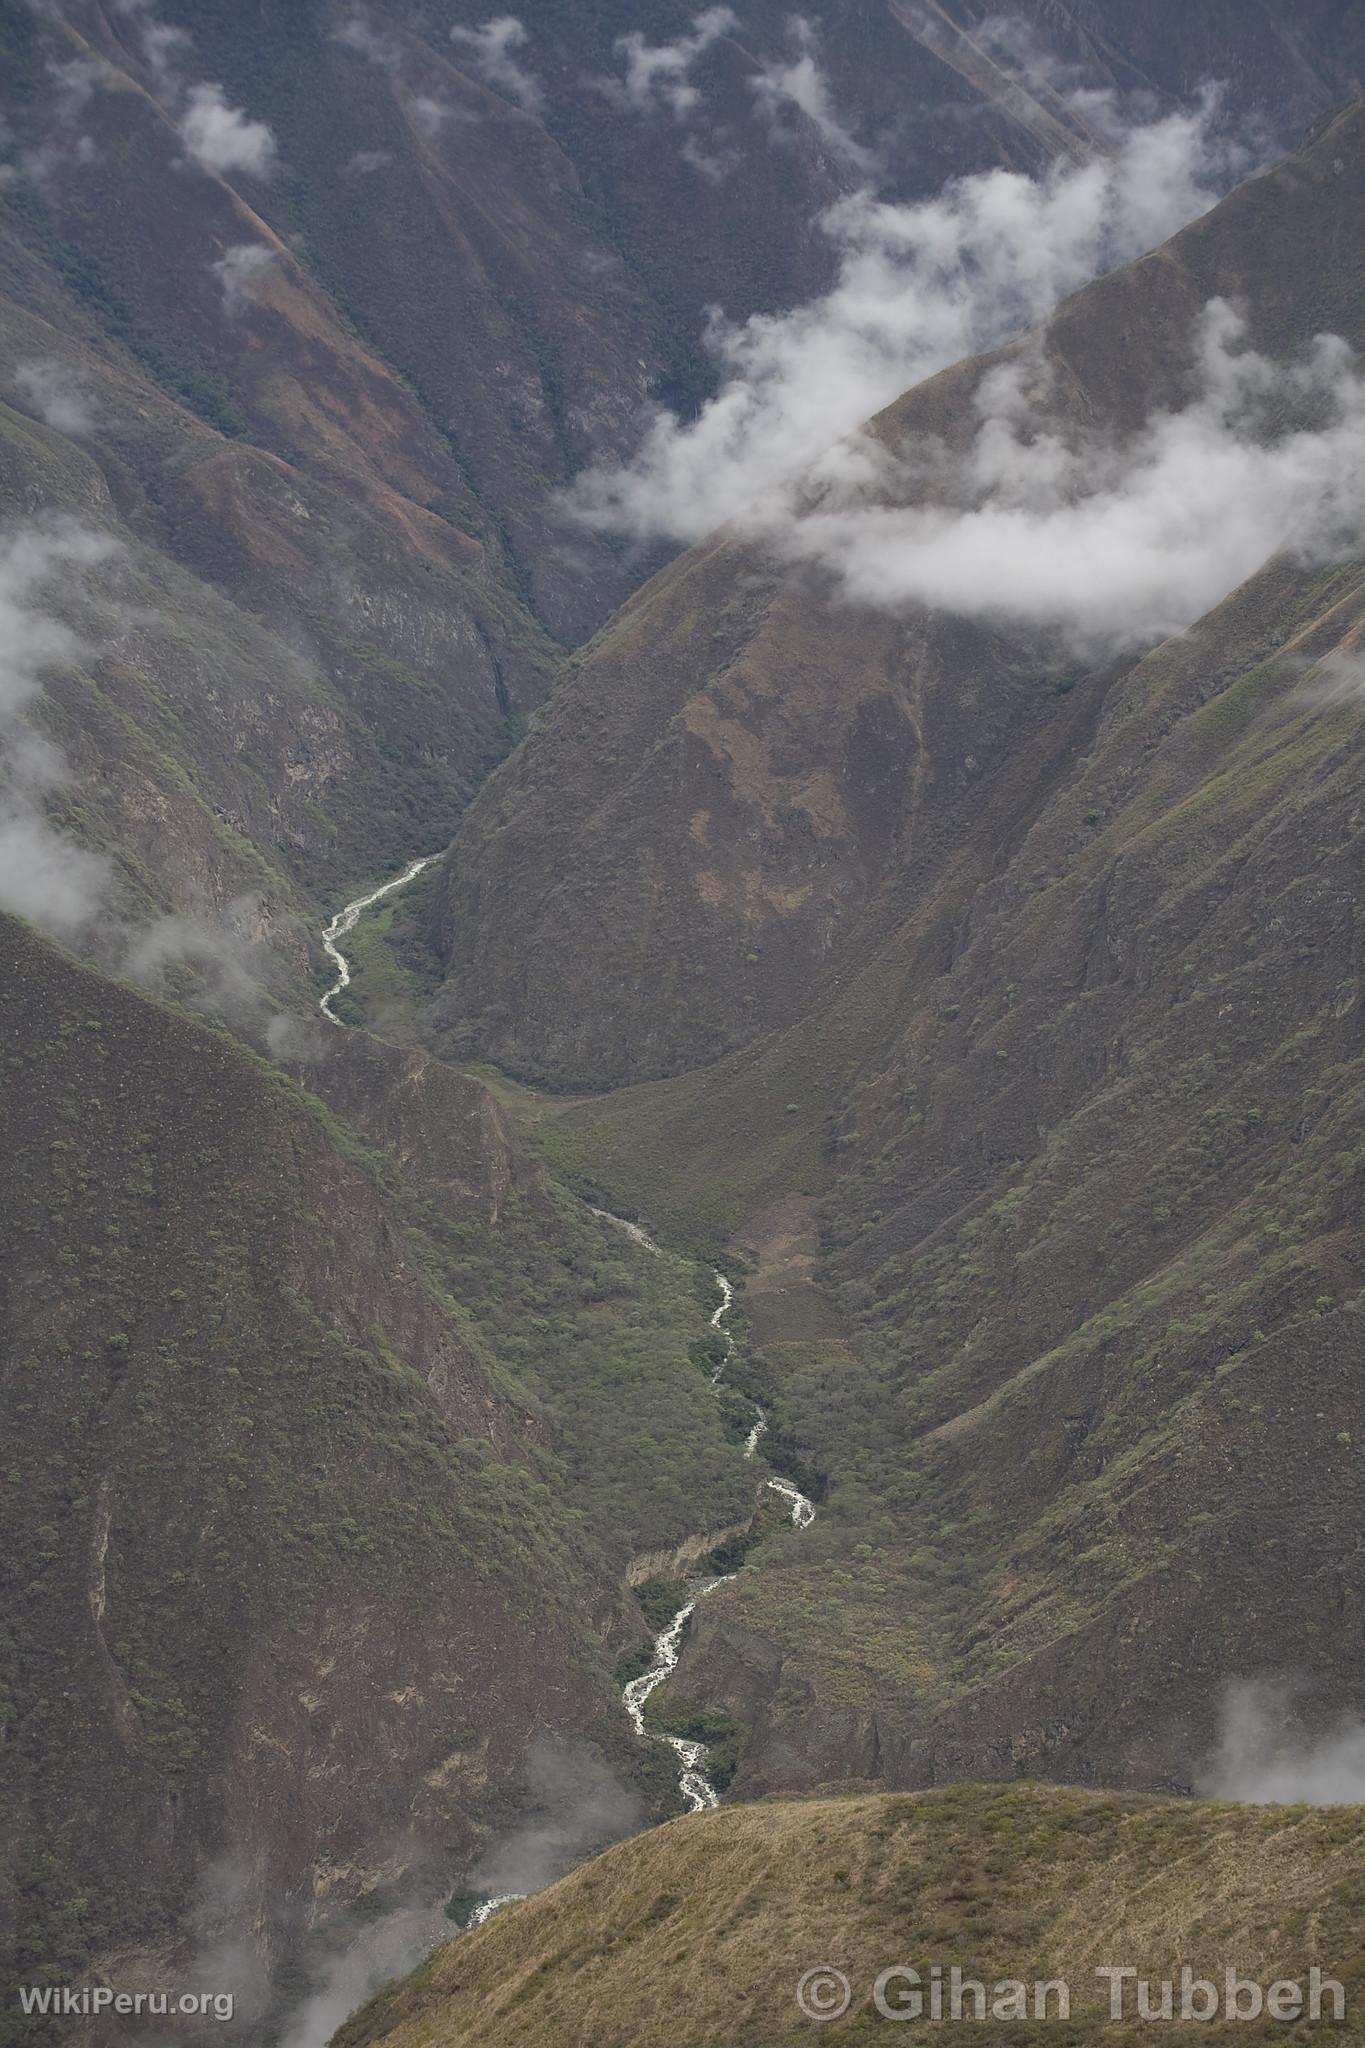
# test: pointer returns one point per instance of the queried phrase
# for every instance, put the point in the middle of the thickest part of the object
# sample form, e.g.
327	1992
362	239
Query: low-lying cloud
791	94
797	84
1265	1757
220	138
58	395
1339	678
1112	541
43	875
576	1807
1034	518
358	33
659	75
364	1956
492	50
216	135
217	960
163	46
919	287
239	270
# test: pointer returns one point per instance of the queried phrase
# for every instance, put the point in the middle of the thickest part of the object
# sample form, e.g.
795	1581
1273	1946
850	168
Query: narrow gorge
694	1784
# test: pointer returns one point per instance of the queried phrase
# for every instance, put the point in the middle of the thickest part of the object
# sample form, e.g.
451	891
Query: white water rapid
693	1783
491	1906
803	1510
641	1237
346	921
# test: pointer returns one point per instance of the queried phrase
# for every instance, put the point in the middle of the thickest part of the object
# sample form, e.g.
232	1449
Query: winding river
346	921
693	1783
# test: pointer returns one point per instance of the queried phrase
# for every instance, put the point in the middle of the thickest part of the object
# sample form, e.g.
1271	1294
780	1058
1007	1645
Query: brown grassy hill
698	1933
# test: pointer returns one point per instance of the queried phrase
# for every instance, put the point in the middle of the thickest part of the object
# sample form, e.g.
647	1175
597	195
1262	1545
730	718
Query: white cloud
659	74
214	960
1339	678
918	288
366	162
1111	542
162	46
217	136
358	33
799	84
58	395
1031	521
237	271
491	49
428	115
1016	44
63	144
32	559
220	138
77	82
1264	1758
43	876
165	47
715	165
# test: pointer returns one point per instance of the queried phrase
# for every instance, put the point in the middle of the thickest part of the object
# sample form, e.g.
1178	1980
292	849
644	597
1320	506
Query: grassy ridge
698	1933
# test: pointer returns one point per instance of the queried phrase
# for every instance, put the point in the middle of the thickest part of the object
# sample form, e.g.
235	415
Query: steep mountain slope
304	665
705	1928
298	1557
733	769
313	309
336	1433
1051	1180
1094	1234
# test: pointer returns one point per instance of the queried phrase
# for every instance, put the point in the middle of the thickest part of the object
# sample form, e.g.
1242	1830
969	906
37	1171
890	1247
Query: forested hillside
1042	1121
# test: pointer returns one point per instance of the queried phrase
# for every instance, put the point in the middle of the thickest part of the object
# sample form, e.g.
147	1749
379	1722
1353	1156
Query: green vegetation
221	1404
667	1714
86	273
660	1600
593	1334
1083	1233
393	970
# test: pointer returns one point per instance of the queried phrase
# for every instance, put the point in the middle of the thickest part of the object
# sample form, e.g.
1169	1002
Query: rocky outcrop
443	1129
675	1563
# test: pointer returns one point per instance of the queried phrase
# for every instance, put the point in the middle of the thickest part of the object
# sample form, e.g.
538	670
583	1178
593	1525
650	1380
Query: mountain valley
822	561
